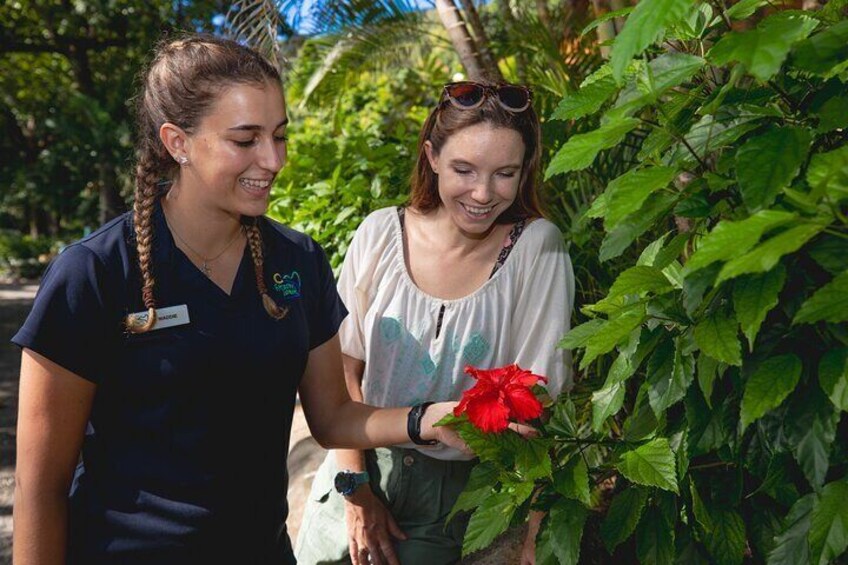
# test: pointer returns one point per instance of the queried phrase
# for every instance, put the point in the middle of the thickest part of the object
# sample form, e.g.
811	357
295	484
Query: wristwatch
413	424
347	482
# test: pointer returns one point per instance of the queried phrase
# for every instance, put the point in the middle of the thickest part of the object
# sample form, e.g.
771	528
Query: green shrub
24	256
707	424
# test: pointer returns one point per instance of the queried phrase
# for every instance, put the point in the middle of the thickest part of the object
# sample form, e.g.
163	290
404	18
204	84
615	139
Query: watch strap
413	424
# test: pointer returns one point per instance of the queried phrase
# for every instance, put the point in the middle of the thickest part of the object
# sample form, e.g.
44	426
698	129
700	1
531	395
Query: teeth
478	211
250	183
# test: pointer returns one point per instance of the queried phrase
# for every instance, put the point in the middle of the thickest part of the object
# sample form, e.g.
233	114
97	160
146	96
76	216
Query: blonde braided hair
254	239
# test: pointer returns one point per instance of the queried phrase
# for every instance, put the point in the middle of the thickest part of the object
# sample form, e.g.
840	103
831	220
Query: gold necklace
206	269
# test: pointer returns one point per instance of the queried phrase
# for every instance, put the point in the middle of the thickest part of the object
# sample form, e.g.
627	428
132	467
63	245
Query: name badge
167	317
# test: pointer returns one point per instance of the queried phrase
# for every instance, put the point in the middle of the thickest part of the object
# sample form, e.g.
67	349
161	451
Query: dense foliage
707	423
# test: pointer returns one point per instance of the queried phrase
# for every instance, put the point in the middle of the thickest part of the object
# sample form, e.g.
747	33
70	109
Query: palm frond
260	24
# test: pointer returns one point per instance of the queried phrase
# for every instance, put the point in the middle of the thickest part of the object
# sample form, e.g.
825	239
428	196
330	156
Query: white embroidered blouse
516	316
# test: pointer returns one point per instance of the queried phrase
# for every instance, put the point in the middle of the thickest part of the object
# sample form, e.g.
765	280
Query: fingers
526	431
394	529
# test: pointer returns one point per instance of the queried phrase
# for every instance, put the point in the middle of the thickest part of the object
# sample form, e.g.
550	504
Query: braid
146	192
254	238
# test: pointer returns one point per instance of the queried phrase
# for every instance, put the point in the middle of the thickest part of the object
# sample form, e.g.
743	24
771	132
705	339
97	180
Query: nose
483	190
272	155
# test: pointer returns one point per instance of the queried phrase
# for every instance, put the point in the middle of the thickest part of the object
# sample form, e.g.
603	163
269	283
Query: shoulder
377	222
107	246
281	234
542	234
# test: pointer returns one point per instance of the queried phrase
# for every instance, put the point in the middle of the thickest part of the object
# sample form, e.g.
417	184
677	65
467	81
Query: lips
477	211
255	184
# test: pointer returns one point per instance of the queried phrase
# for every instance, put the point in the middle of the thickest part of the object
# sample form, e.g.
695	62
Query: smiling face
479	171
237	149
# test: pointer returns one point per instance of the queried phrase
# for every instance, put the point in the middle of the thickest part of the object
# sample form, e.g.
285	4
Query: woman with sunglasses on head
468	273
167	348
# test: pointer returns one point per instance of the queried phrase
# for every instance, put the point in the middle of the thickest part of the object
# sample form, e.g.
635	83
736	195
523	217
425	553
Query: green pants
418	490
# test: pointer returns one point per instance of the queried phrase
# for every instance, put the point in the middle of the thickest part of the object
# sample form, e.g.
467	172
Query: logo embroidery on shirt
287	285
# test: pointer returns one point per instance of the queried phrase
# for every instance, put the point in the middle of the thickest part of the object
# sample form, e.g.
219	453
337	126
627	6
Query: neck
206	230
453	238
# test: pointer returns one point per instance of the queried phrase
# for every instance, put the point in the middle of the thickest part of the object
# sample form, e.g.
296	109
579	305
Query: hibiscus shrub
712	429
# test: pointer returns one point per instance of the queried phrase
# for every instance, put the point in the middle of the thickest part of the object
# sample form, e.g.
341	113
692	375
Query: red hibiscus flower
500	395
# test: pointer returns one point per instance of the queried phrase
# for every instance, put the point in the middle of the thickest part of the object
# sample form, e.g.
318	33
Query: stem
712	465
784	95
835	233
719	5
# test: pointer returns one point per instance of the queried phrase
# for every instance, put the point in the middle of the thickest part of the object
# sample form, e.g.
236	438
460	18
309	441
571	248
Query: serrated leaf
828	173
637	223
578	336
565	530
652	80
707	371
490	520
580	151
829	303
572	480
765	256
650	464
767	163
644	26
774	380
791	545
606	402
585	101
532	461
728	239
638	280
753	298
822	52
829	524
623	516
655	538
627	193
712	132
726	543
605	18
702	515
744	8
716	335
764	49
833	377
482	479
613	333
670	372
810	429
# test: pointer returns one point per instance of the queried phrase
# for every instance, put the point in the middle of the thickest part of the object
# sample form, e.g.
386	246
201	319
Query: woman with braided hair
164	351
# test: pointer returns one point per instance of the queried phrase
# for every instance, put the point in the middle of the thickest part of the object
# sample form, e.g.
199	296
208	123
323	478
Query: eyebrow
464	162
254	127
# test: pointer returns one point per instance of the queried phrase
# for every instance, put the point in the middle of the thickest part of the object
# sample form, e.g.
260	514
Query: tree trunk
462	41
606	31
544	13
482	41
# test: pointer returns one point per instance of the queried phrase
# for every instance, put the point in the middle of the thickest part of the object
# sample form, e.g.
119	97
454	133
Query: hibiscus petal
488	413
523	404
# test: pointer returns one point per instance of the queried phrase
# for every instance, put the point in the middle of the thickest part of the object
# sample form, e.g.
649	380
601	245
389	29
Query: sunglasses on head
468	95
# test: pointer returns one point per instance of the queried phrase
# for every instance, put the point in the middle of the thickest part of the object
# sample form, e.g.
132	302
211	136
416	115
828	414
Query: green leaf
767	163
753	297
635	225
716	336
650	464
712	132
828	173
613	332
627	193
565	530
823	51
606	401
764	49
833	377
638	280
744	9
829	303
532	461
572	480
829	523
791	545
580	151
669	374
623	516
587	100
655	538
483	477
726	543
829	252
578	336
652	80
833	114
643	27
766	255
728	239
489	521
605	18
707	370
702	515
774	379
810	429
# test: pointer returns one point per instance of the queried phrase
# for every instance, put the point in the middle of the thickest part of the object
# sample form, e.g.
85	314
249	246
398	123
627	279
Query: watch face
345	483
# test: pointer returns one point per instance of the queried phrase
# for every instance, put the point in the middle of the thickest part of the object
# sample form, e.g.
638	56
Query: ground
304	456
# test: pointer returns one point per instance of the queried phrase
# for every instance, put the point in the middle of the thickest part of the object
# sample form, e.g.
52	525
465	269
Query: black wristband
413	424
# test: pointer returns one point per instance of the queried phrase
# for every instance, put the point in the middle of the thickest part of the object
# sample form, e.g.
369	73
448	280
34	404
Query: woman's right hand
443	434
370	529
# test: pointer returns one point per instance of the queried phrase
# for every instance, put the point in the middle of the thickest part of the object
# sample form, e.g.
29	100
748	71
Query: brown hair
180	85
445	120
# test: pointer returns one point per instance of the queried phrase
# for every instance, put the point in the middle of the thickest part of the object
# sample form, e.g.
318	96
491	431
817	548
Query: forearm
360	426
41	525
350	459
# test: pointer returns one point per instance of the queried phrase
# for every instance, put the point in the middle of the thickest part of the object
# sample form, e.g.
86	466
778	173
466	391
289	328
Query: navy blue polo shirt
184	460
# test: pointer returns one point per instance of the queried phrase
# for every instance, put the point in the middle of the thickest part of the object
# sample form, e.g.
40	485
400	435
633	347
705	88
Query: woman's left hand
443	434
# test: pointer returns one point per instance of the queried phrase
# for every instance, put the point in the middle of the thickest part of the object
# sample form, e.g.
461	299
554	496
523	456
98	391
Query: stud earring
182	160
